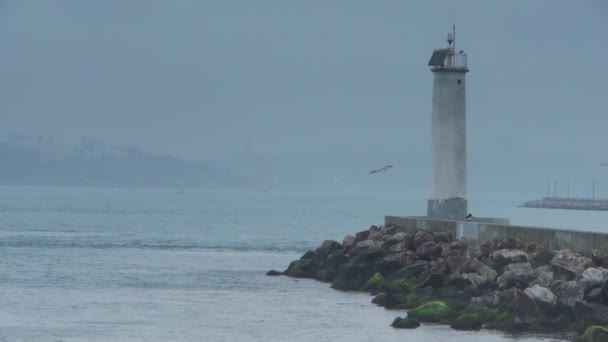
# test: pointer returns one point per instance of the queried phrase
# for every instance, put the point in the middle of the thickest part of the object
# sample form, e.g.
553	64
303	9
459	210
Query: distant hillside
42	161
91	162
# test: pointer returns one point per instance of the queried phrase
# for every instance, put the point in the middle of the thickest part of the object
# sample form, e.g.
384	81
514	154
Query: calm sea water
79	264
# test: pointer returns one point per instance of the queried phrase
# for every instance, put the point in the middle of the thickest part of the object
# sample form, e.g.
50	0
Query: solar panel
438	57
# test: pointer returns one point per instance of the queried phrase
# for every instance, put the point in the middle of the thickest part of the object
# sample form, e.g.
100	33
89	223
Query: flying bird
384	168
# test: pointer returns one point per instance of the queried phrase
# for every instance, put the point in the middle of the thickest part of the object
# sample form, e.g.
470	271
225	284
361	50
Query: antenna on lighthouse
454	35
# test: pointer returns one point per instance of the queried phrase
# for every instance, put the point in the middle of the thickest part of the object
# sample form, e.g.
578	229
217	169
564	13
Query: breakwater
568	203
504	284
486	229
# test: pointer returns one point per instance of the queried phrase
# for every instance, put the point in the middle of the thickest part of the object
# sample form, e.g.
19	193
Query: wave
88	244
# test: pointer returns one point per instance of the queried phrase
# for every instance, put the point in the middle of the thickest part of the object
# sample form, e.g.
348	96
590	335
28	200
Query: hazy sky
209	78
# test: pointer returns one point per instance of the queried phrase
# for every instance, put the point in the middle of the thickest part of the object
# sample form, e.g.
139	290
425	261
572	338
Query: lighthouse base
447	209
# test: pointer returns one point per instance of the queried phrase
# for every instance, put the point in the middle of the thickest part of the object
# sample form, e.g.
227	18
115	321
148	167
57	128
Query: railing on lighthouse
448	59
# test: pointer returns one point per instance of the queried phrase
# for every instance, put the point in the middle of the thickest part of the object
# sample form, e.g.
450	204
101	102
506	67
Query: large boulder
594	295
570	292
544	299
569	265
541	295
375	233
595	276
519	266
352	276
459	281
405	323
468	321
361	236
429	250
305	267
422	237
477	281
599	258
526	314
413	271
432	312
408	241
367	251
544	279
442	237
510	243
348	241
474	266
501	258
477	304
434	280
541	256
459	299
518	275
329	268
592	313
486	248
327	247
394	239
273	273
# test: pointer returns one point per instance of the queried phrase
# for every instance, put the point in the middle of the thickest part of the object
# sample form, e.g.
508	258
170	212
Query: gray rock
503	257
443	237
570	292
327	247
366	247
593	313
475	279
396	248
541	295
434	280
545	279
474	266
541	256
599	258
405	323
519	277
520	266
393	239
594	295
595	276
422	237
569	265
361	236
429	250
348	241
412	271
459	281
480	303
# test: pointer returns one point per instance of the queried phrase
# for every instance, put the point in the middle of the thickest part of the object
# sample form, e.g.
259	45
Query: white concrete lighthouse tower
448	198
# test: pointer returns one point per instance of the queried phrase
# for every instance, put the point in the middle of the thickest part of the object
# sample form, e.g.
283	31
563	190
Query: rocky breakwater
499	284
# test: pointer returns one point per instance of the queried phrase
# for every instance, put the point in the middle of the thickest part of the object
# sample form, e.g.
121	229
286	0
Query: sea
110	264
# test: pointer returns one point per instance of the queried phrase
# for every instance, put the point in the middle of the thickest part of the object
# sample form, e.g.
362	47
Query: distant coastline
568	203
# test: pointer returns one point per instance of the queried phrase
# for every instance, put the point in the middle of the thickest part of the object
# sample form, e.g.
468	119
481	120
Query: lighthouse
448	198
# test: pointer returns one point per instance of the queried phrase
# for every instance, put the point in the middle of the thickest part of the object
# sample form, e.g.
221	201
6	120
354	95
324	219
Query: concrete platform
484	229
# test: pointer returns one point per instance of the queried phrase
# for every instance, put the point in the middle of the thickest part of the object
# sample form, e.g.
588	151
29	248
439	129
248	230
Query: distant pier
568	203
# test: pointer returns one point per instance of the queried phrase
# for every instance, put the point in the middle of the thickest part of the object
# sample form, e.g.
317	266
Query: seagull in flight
384	168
